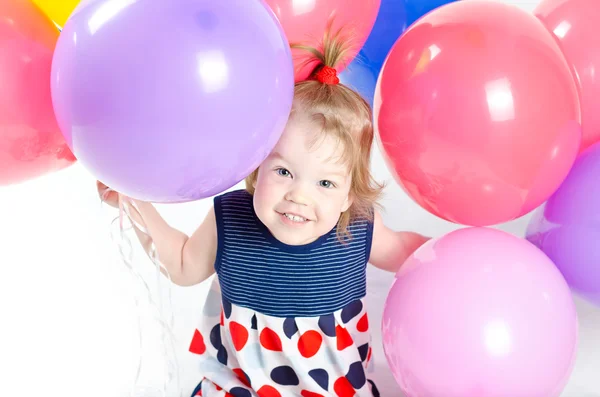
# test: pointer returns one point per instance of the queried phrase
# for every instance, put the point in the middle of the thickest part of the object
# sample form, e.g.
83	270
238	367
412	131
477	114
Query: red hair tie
327	75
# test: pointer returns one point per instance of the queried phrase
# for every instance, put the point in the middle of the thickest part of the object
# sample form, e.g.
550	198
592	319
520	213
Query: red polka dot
309	343
239	335
197	346
363	324
268	391
369	355
343	338
343	388
227	394
199	393
306	393
270	340
222	318
242	376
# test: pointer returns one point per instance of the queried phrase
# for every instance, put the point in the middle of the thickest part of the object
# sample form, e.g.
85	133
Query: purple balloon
172	100
567	226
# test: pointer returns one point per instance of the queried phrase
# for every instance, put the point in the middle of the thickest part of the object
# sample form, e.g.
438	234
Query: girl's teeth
294	218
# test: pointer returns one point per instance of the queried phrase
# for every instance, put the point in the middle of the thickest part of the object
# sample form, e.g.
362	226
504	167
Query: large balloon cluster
484	113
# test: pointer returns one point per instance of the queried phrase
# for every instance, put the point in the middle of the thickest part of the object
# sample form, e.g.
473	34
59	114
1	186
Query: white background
69	318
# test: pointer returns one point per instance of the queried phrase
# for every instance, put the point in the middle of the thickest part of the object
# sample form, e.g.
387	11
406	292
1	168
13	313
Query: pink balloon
31	144
477	112
305	22
480	313
575	25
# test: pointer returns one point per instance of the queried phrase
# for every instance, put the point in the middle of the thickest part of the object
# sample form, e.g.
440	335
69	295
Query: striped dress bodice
259	272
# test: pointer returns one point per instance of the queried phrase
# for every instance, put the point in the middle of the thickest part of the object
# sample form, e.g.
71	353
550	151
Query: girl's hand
107	195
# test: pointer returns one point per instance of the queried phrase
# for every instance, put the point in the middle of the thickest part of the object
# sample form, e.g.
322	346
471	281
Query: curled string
172	373
125	247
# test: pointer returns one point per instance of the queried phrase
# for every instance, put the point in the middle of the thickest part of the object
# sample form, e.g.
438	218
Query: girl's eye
327	184
283	172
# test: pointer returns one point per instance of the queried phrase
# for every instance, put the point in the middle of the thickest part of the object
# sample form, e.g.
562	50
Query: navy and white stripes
258	272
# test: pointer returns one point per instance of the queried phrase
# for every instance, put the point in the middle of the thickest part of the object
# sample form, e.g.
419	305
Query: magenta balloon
172	100
479	312
567	226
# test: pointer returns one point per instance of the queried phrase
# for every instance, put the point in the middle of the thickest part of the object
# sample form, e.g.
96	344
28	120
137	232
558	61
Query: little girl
286	314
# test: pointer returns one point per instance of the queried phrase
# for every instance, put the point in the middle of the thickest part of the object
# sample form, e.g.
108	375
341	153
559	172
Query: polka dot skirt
247	354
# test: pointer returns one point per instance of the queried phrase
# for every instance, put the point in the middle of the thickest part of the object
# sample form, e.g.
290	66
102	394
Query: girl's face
303	186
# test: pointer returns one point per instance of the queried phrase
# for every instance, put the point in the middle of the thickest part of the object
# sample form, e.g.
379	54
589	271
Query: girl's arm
189	260
389	248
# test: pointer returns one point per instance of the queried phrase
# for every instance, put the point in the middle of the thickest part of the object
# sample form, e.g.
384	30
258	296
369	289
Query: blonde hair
345	115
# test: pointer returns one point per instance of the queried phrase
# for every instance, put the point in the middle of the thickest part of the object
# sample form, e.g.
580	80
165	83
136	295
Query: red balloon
575	24
305	22
31	143
477	113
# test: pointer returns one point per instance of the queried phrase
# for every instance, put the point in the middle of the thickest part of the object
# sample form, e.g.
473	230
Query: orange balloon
305	22
477	113
31	143
575	24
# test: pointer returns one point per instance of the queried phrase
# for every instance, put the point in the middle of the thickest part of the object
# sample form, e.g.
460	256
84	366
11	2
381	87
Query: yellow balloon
57	10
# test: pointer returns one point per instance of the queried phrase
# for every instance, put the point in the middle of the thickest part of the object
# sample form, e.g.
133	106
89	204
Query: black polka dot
363	350
240	392
290	327
215	336
222	355
351	310
197	389
226	307
374	389
285	376
327	325
321	377
356	375
254	322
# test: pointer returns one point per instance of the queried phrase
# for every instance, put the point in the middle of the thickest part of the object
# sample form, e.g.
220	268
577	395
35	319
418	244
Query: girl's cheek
277	180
